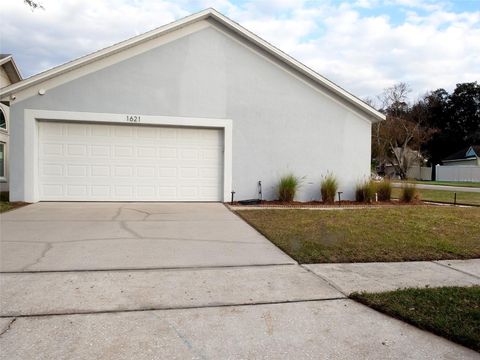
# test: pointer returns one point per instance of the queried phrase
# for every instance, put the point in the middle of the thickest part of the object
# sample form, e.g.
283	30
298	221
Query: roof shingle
462	154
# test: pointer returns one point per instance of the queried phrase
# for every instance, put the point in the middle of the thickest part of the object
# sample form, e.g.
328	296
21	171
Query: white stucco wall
281	121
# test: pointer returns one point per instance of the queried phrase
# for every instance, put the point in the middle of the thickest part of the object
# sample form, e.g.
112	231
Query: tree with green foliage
455	119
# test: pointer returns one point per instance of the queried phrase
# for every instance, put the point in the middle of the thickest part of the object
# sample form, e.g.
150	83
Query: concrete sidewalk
331	329
61	293
379	277
278	311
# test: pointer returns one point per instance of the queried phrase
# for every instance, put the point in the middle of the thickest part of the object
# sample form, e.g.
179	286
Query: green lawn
452	312
399	233
469	198
5	205
445	183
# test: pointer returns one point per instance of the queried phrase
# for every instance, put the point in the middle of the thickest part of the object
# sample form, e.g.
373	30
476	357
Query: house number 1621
133	118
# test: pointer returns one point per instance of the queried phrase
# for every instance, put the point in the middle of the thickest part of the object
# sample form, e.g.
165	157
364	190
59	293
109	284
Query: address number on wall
133	118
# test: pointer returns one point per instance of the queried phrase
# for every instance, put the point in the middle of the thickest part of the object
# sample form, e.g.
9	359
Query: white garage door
97	162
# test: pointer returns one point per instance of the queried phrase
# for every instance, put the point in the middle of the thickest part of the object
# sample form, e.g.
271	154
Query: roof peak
372	113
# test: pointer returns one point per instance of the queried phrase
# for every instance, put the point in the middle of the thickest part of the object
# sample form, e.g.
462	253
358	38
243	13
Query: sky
364	46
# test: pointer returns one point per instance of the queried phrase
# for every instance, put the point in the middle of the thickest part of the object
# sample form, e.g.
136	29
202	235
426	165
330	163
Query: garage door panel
114	162
52	129
147	133
100	191
51	170
100	171
52	190
76	190
167	153
145	171
100	130
49	149
77	170
146	152
123	151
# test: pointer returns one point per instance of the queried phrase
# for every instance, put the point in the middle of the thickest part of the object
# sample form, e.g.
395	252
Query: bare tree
397	140
394	100
34	4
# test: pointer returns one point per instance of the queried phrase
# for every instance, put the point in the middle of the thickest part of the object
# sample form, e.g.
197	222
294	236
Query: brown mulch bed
8	206
309	204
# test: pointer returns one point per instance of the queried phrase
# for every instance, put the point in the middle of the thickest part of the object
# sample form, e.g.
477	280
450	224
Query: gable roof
373	114
8	64
471	152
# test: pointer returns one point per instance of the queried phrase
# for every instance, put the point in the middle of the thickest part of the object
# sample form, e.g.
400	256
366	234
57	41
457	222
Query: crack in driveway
48	247
146	213
8	326
117	214
125	227
121	209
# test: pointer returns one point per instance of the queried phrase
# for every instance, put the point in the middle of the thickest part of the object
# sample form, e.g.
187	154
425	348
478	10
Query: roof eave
13	73
100	54
462	159
374	114
17	70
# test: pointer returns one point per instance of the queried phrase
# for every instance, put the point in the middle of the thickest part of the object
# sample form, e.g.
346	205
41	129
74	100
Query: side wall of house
281	122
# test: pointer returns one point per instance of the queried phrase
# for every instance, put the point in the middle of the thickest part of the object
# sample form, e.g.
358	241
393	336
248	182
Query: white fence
420	173
458	173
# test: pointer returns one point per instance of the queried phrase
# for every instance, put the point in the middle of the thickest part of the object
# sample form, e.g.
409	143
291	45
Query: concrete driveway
106	236
176	281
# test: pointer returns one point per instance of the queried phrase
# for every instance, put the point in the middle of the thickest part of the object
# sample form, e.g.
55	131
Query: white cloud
430	47
70	29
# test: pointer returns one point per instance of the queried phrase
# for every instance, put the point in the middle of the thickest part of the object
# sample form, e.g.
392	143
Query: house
464	165
409	160
468	156
191	111
9	74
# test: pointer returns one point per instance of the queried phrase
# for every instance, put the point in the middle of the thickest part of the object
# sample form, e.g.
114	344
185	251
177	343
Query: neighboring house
463	165
190	111
411	159
467	156
9	74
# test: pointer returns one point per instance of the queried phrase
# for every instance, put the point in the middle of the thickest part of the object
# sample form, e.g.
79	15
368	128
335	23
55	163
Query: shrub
409	192
288	187
384	190
365	192
328	188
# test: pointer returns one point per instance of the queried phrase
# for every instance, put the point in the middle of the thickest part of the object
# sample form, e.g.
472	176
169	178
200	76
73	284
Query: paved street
443	187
